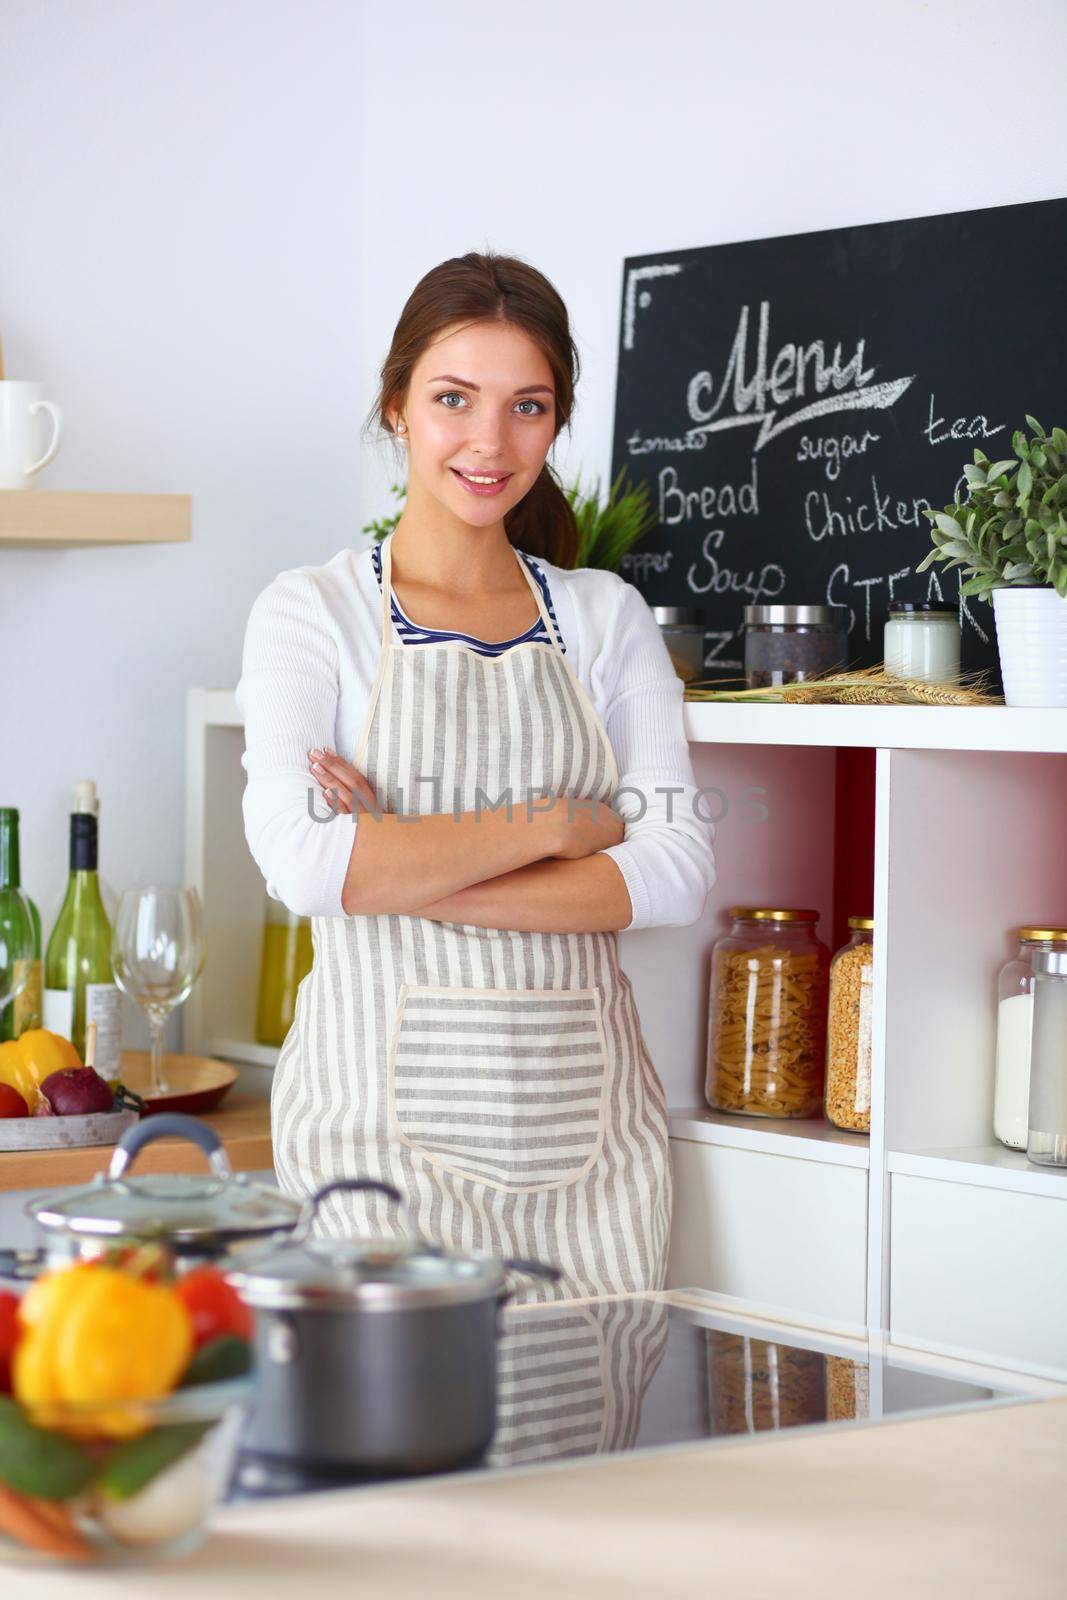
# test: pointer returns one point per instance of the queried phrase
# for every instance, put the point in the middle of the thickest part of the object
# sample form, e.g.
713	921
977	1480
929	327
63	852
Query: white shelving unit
928	1233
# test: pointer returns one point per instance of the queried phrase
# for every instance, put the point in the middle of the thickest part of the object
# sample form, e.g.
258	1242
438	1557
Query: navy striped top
411	633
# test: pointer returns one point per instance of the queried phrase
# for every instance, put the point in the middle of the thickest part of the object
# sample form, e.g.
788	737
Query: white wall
210	216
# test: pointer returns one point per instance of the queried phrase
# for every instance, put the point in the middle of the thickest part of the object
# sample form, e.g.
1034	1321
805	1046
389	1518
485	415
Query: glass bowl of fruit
125	1393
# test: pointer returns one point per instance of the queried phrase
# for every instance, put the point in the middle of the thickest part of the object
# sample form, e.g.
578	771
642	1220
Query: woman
466	1031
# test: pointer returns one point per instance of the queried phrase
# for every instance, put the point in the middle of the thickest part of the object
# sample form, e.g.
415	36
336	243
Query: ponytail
543	523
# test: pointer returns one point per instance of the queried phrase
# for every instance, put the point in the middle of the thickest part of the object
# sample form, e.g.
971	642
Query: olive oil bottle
24	1012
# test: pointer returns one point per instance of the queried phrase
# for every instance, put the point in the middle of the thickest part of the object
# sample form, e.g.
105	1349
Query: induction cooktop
596	1377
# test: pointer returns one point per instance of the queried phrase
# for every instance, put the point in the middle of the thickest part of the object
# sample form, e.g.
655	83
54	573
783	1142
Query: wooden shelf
803	1138
72	519
1019	728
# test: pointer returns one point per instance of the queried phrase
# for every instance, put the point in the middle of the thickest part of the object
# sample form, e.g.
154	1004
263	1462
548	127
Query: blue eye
450	394
536	403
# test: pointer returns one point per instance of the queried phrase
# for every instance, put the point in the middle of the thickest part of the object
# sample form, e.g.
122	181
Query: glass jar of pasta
848	1032
767	1015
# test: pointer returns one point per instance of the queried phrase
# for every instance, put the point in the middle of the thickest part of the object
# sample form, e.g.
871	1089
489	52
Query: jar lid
675	616
906	608
828	616
864	923
1033	935
768	914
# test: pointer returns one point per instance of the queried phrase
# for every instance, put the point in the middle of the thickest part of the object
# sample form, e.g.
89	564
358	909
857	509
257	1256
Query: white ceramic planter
1032	640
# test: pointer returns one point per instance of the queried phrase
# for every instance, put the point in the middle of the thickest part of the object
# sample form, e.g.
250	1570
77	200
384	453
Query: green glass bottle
79	982
25	1011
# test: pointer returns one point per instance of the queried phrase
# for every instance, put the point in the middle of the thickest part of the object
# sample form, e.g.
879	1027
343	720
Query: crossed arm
539	871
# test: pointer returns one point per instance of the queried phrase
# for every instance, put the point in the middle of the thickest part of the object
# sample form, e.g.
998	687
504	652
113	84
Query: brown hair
492	288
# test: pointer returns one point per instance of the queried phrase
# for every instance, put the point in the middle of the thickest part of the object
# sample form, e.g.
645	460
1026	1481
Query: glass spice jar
767	1015
682	628
848	1031
1046	1141
788	644
922	640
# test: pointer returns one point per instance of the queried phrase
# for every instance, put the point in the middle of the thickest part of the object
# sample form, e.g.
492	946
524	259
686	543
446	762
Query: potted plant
1010	538
606	528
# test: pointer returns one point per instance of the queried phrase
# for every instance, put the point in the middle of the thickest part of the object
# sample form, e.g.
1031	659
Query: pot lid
678	616
368	1275
186	1208
381	1274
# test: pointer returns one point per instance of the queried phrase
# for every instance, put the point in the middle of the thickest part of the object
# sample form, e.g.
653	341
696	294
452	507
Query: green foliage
384	525
606	528
1011	531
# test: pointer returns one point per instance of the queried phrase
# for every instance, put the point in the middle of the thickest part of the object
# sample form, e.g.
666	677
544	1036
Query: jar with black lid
788	644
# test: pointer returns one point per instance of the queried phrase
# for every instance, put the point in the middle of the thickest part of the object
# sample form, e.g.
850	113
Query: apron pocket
504	1086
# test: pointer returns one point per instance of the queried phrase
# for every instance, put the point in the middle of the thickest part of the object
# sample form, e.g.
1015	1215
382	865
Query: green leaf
1019	444
1035	427
999	468
975	475
947	524
1024	481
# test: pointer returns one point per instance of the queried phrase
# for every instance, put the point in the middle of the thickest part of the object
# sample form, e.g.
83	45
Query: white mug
20	404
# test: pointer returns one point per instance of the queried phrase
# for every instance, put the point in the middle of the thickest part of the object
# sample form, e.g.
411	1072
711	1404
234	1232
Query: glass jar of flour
1015	1010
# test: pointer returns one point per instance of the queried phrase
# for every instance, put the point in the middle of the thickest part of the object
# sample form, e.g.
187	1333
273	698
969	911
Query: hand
341	783
583	829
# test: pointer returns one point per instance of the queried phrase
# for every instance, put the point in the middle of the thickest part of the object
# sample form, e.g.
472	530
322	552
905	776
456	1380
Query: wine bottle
79	982
25	1010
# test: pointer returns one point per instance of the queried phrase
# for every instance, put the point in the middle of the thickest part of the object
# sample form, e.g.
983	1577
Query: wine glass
16	944
158	951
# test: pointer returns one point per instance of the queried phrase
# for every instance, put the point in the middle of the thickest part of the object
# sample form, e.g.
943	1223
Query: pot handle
169	1124
533	1269
347	1185
22	1263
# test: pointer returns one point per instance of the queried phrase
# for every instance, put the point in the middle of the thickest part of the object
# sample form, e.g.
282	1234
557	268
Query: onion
76	1091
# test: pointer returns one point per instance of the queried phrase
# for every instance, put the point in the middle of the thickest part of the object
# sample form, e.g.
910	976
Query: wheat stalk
867	686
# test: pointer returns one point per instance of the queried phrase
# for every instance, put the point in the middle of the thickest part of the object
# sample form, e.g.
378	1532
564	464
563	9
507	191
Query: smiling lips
481	482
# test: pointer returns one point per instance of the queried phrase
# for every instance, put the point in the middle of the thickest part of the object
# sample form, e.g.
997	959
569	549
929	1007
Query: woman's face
480	404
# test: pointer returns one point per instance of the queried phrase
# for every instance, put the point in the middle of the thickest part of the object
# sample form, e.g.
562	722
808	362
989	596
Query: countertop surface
762	1499
967	1504
242	1122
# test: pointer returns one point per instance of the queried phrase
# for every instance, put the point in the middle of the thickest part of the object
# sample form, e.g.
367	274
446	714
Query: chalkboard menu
795	403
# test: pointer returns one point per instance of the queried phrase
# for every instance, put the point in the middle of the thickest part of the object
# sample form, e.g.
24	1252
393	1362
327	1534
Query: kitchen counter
967	1504
242	1122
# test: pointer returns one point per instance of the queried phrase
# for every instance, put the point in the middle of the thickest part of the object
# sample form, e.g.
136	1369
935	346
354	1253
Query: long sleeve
666	856
288	694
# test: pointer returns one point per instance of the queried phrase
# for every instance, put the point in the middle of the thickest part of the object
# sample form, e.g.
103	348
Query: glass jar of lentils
848	1032
767	1015
788	644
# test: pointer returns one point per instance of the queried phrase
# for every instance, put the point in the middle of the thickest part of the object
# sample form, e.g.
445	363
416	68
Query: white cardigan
310	658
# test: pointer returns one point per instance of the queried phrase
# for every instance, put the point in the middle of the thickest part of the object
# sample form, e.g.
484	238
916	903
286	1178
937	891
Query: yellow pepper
17	1073
27	1061
94	1334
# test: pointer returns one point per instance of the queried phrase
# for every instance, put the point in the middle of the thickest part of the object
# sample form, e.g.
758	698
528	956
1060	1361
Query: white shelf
804	1139
983	1167
244	1052
217	708
878	727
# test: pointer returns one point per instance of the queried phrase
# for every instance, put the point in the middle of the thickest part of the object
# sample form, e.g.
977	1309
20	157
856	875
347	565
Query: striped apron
498	1078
